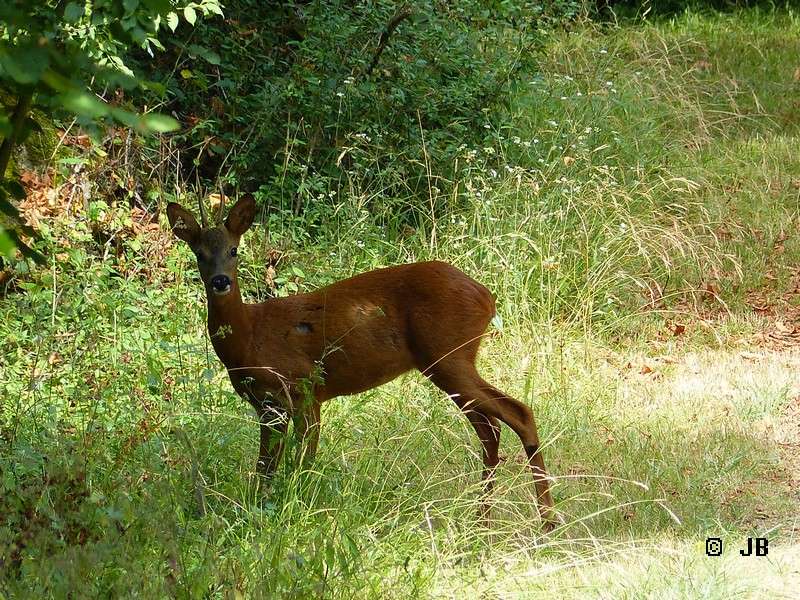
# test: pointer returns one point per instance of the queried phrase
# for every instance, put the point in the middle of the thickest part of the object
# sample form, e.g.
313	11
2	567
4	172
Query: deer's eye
234	252
202	257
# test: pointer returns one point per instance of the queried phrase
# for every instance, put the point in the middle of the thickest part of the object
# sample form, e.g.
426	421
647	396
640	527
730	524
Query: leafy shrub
297	100
50	57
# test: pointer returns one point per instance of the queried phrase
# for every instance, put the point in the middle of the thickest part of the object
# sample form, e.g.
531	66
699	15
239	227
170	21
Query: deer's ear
182	222
241	216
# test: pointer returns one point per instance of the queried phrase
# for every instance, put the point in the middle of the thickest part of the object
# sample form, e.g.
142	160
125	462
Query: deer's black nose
220	283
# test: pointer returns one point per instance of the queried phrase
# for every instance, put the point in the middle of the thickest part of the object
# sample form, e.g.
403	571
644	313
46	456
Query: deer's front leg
273	425
306	430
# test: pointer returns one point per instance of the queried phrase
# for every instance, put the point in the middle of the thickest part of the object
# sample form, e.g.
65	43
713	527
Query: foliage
285	100
53	54
651	8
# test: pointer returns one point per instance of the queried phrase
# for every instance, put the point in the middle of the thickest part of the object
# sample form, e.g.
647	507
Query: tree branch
401	15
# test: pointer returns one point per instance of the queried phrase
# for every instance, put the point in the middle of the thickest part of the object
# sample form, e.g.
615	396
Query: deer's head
215	247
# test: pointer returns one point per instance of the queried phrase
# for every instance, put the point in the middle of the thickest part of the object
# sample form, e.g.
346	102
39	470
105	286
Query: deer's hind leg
459	378
488	430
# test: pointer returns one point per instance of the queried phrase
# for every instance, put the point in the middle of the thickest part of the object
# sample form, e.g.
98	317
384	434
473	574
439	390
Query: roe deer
286	356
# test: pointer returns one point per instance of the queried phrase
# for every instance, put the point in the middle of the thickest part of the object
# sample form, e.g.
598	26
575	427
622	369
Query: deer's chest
279	382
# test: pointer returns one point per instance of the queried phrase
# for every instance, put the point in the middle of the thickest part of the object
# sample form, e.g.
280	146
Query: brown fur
287	356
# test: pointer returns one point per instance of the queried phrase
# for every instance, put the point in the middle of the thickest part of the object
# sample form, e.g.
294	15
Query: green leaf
190	15
125	117
73	12
139	35
205	53
172	21
84	104
157	88
6	244
130	5
213	6
25	64
158	123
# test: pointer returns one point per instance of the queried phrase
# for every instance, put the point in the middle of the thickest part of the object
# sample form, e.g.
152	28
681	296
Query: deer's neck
229	326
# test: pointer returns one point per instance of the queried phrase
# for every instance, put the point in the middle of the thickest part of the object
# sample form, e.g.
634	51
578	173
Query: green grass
125	457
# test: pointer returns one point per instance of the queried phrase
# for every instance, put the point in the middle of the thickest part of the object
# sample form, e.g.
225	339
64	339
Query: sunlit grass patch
665	568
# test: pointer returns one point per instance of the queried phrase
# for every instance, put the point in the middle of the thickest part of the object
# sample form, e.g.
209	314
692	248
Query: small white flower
603	51
340	94
609	83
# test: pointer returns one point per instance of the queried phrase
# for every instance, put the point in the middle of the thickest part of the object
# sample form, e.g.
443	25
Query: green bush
52	55
296	101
